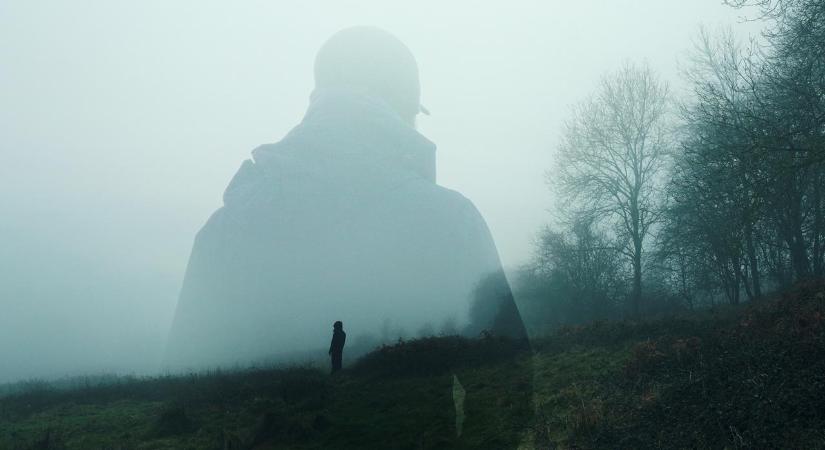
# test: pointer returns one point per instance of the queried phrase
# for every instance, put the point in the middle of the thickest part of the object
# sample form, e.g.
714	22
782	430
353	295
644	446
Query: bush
436	355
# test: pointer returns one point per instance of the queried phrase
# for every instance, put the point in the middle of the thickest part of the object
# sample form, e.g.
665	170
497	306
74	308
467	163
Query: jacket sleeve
190	336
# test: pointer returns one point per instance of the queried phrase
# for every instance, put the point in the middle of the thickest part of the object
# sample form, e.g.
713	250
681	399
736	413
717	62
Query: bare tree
611	156
582	266
718	177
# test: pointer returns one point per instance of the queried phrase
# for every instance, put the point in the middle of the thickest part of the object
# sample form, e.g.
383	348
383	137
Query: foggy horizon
123	123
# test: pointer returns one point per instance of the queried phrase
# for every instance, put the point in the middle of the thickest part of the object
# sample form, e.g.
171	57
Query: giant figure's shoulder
239	191
408	202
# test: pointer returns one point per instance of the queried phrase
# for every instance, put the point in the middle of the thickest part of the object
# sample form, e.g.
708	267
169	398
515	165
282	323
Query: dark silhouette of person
336	347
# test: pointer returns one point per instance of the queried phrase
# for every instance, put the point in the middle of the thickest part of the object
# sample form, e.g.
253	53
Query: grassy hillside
396	397
752	377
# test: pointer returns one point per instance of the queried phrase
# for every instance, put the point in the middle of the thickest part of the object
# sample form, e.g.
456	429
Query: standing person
336	347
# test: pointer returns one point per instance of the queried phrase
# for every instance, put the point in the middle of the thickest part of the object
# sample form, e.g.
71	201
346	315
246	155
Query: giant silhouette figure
342	218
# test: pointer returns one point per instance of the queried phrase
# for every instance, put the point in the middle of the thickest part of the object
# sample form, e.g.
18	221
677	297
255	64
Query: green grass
749	377
372	404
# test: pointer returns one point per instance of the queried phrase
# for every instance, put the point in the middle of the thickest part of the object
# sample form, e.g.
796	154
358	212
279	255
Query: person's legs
336	362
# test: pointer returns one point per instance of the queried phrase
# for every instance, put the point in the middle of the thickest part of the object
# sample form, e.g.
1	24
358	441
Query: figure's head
338	325
374	61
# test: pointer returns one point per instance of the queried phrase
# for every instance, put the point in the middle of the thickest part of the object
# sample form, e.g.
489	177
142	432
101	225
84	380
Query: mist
122	123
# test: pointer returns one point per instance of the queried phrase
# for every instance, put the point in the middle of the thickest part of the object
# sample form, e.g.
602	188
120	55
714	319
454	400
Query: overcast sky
121	123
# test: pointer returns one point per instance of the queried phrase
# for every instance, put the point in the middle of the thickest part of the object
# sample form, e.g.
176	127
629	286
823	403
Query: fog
121	124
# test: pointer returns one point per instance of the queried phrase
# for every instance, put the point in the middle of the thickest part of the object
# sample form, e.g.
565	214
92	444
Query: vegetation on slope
750	377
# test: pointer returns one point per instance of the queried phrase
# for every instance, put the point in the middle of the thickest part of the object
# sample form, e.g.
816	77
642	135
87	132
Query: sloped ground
751	377
747	378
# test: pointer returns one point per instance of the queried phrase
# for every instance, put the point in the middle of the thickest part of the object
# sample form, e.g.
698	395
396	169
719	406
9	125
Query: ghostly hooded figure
342	218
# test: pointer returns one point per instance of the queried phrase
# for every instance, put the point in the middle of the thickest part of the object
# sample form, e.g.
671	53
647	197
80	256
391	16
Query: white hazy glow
122	122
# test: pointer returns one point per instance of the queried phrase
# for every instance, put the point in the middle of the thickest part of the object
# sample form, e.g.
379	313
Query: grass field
748	377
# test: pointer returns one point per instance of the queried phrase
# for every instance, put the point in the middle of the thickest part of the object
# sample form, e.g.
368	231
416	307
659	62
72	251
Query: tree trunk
637	282
729	276
737	277
743	275
799	256
817	231
753	262
796	239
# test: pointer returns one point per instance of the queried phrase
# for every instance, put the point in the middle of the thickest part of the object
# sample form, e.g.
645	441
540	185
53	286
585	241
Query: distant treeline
669	203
